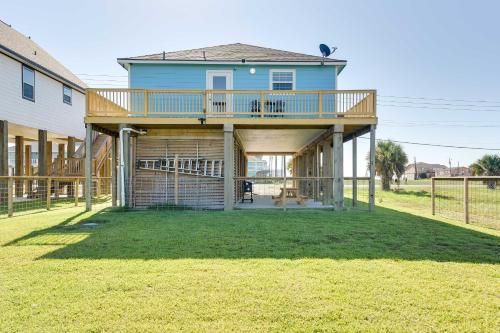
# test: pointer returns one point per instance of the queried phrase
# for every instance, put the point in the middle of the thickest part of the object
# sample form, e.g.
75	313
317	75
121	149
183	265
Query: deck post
176	179
338	166
70	151
27	167
4	148
113	171
88	167
49	158
371	189
228	167
19	165
327	172
354	171
42	153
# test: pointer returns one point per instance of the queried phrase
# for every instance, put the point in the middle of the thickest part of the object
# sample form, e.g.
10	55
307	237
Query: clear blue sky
433	49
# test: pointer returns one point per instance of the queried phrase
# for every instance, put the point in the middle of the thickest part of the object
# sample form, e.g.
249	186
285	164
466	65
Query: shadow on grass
269	234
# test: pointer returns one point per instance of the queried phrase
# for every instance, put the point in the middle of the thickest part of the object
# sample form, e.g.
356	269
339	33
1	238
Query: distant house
257	166
424	170
454	172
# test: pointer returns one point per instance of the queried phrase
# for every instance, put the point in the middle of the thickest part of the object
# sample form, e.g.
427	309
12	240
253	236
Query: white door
219	102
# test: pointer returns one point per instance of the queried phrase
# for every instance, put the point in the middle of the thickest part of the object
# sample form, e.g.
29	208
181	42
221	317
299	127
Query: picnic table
292	194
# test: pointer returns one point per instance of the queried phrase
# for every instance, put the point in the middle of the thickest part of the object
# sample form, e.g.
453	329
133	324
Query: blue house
190	119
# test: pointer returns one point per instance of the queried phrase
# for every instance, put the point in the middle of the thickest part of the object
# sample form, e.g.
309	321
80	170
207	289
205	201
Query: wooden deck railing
231	103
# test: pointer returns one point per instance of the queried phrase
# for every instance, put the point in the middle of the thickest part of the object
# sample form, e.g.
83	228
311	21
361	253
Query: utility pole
449	162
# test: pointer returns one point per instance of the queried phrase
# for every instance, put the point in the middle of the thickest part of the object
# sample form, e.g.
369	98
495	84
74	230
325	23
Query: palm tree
488	165
390	160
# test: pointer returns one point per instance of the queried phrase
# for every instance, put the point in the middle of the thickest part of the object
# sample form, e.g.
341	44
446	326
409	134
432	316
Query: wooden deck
244	107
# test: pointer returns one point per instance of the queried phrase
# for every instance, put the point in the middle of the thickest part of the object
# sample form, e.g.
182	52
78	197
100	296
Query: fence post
10	197
49	184
466	199
176	180
433	195
75	191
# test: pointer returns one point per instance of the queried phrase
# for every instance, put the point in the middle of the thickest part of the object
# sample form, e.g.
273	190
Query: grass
303	270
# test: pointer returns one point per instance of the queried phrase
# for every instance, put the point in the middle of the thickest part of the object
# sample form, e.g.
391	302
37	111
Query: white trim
294	76
227	73
124	62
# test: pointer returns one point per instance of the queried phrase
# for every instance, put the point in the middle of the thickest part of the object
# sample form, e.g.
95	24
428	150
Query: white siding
48	112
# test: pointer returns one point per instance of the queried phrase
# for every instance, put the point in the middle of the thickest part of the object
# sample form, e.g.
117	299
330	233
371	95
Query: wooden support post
176	179
433	196
371	188
42	153
71	147
60	150
466	200
338	166
49	184
4	148
49	158
98	187
19	167
88	167
27	168
75	191
354	171
113	171
327	172
228	167
10	197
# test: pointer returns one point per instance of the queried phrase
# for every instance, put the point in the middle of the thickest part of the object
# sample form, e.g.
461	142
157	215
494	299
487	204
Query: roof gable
231	53
24	49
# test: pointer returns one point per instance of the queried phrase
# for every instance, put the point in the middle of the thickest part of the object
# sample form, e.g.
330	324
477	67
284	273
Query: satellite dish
325	50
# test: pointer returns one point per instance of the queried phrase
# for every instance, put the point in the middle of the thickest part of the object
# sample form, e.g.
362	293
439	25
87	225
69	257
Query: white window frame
23	66
70	95
294	77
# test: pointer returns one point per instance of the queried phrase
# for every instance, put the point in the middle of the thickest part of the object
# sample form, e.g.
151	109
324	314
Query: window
67	93
28	83
282	79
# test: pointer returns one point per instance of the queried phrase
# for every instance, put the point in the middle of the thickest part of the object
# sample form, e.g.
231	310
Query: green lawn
307	270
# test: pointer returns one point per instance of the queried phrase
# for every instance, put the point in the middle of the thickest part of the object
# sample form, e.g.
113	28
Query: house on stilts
185	128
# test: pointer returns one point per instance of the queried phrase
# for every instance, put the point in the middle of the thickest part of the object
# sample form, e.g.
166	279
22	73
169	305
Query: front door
219	103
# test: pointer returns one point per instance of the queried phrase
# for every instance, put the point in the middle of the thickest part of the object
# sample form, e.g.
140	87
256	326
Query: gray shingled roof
232	52
15	44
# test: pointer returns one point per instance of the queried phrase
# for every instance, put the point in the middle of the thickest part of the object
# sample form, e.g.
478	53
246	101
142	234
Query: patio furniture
271	108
